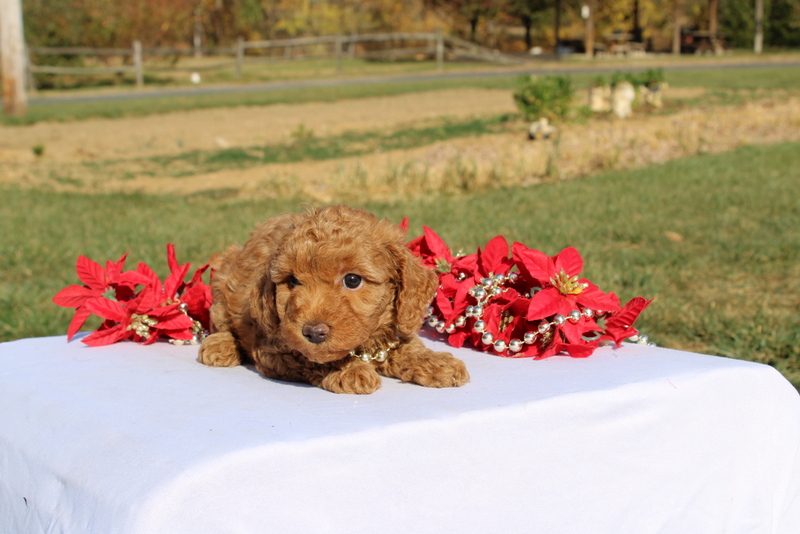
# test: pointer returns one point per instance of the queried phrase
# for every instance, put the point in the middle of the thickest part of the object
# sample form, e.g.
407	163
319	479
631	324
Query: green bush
549	97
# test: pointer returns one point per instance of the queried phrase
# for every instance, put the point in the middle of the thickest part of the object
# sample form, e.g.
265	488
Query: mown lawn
715	239
725	85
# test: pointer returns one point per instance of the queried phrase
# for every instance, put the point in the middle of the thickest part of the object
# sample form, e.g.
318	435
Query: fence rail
439	46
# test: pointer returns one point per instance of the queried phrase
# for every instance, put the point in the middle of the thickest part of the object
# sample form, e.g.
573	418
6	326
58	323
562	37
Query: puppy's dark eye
293	281
352	281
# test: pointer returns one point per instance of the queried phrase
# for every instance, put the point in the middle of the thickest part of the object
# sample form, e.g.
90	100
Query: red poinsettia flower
562	291
435	253
97	283
141	319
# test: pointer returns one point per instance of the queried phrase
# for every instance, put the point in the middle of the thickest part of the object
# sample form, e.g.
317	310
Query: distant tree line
511	25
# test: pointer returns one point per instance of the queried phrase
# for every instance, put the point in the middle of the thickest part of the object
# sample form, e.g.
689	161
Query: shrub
549	97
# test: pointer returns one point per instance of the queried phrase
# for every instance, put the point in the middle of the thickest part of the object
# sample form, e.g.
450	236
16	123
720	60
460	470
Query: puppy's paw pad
219	350
442	372
359	380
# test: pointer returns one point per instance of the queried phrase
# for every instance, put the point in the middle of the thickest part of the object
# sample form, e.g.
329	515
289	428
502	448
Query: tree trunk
12	62
557	24
676	27
589	45
758	42
473	28
528	23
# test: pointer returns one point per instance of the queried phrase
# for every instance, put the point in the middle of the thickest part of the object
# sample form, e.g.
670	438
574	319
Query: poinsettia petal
172	260
627	316
545	303
132	279
578	350
78	319
569	260
493	258
153	281
107	309
457	339
106	336
592	297
172	284
184	333
90	273
178	321
73	296
436	245
404	225
536	265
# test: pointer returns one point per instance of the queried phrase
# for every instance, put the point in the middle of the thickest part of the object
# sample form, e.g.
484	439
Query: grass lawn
730	85
715	239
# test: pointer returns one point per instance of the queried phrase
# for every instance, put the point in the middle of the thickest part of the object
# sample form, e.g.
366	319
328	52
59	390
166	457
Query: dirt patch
180	132
71	161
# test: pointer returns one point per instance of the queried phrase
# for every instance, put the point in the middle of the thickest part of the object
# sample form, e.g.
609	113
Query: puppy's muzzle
316	333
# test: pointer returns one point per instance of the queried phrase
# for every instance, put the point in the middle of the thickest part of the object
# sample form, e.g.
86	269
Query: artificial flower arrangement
518	304
522	304
136	305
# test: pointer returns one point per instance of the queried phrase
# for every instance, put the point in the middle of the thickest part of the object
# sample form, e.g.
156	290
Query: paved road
338	82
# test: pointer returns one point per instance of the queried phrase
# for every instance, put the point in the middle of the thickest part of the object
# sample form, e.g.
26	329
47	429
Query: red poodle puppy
331	297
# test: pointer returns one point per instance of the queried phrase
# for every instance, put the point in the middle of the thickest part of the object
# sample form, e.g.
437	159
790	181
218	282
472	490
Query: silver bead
515	345
364	357
479	326
529	337
487	282
479	293
431	309
643	340
599	313
499	345
195	340
496	291
487	338
499	279
559	320
183	307
544	327
460	321
381	355
477	311
470	311
433	321
512	278
177	342
440	326
450	328
634	338
588	313
574	316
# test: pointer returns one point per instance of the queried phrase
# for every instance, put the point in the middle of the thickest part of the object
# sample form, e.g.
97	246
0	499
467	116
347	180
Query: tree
526	11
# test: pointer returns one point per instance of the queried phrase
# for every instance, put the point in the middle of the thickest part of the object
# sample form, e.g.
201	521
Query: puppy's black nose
316	333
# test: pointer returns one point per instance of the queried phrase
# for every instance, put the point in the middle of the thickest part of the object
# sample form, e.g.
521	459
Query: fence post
339	54
239	57
439	50
137	63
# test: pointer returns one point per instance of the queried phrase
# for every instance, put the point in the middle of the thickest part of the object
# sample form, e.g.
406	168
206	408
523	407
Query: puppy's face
335	284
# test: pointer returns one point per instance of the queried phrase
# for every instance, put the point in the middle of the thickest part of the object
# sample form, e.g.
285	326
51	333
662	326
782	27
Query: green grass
306	147
727	80
730	287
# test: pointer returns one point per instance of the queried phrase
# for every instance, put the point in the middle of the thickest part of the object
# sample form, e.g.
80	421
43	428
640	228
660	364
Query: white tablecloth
639	439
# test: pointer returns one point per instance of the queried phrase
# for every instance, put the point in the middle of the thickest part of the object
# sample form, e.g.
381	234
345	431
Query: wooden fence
436	45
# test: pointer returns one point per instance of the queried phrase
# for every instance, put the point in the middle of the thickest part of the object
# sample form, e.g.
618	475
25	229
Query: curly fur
289	278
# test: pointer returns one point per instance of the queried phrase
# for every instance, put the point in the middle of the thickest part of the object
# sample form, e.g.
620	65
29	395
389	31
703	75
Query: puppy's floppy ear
262	305
415	288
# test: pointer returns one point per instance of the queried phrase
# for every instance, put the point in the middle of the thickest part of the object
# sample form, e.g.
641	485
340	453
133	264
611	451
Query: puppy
331	297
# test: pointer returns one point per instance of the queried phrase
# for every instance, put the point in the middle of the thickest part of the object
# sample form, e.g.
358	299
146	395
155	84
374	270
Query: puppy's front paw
359	379
440	370
219	350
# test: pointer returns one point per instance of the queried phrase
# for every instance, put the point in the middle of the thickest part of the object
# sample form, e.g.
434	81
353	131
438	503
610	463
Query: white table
136	439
